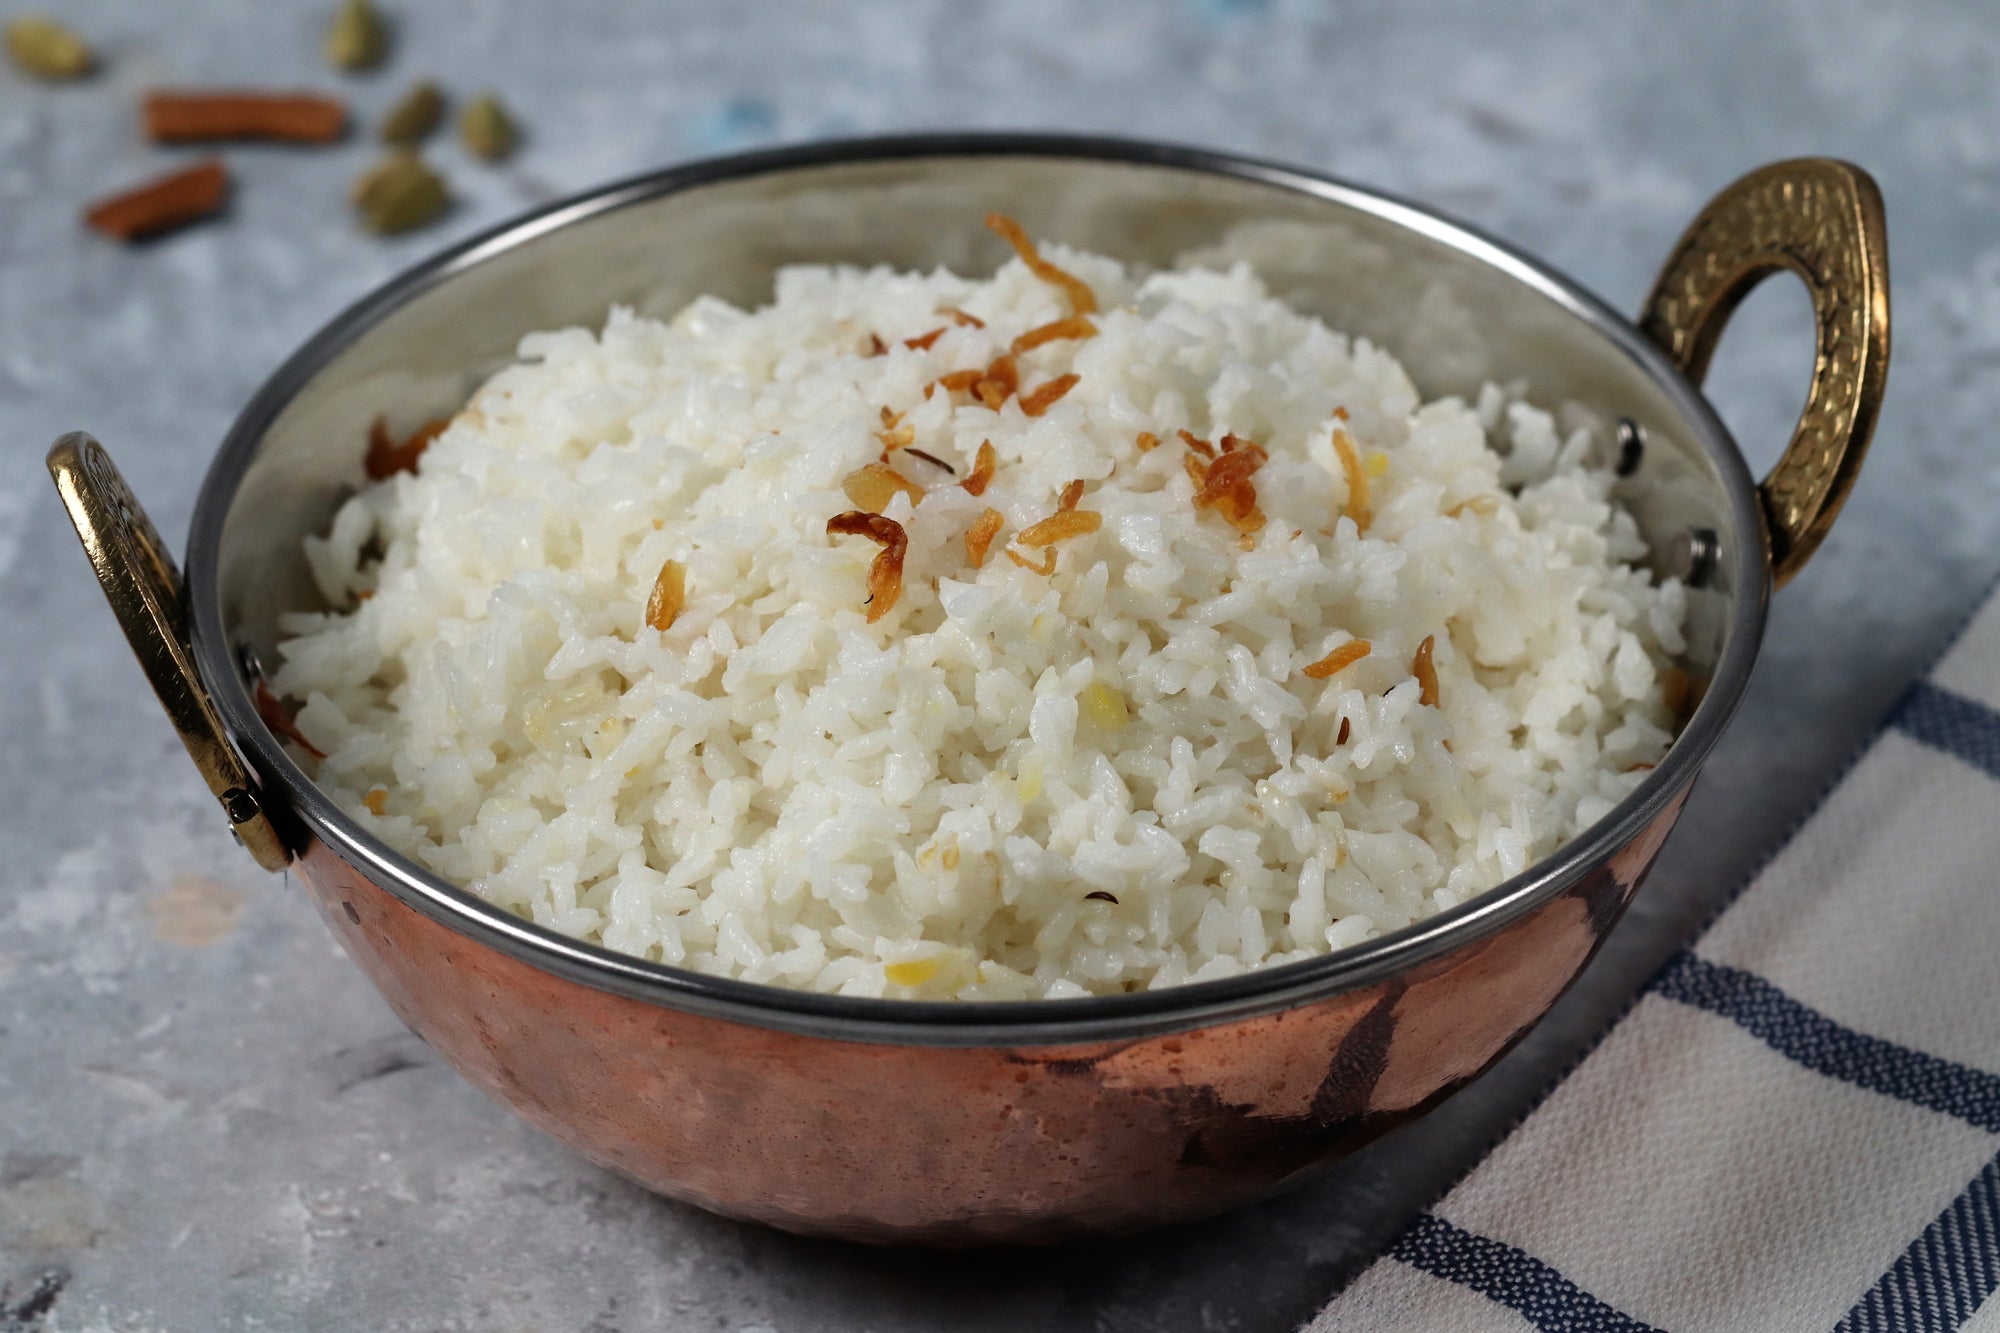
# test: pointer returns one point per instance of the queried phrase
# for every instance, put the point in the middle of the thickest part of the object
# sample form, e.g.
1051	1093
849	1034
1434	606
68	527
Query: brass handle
144	587
1821	219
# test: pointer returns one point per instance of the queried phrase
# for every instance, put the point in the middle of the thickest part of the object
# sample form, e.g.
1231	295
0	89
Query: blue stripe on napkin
1510	1276
1947	1272
1951	723
1812	1039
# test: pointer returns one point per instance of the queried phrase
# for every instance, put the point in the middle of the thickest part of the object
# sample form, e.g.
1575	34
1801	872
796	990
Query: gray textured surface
238	1134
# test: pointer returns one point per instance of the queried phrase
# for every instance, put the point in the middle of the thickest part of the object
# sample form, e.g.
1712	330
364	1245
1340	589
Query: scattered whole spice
1358	507
1101	896
984	465
1339	659
486	129
413	118
1426	673
358	37
885	575
871	488
1341	739
876	347
199	117
1044	397
932	459
669	595
1147	442
163	203
979	537
400	194
1082	300
272	711
46	49
386	457
1076	326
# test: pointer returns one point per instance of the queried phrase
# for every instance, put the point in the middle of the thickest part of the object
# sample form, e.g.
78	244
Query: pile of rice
1009	784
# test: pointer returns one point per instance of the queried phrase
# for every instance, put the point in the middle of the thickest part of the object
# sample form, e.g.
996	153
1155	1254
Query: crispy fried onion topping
1046	568
957	381
1045	396
1000	382
872	487
1082	300
1426	673
280	722
896	433
979	537
1061	526
1358	507
1076	326
1224	484
983	465
1338	660
386	457
669	595
885	575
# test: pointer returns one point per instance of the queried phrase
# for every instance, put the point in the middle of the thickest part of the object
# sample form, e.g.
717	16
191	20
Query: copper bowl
891	1120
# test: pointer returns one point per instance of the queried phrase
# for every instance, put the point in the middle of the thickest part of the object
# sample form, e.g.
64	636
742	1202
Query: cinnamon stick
166	202
185	117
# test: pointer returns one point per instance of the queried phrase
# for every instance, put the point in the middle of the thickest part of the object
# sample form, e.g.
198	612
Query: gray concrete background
207	1118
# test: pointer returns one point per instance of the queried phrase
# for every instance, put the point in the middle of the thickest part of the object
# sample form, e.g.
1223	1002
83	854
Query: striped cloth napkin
1796	1125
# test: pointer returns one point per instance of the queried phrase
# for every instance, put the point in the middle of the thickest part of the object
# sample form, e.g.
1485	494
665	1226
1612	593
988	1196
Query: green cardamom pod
488	131
358	38
411	120
400	194
45	48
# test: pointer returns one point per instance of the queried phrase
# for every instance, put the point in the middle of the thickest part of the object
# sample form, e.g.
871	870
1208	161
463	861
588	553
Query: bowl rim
953	1022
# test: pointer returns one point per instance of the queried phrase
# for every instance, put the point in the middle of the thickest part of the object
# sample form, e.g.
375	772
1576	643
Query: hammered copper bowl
889	1120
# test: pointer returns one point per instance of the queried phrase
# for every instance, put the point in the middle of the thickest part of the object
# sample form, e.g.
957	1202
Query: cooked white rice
1012	785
